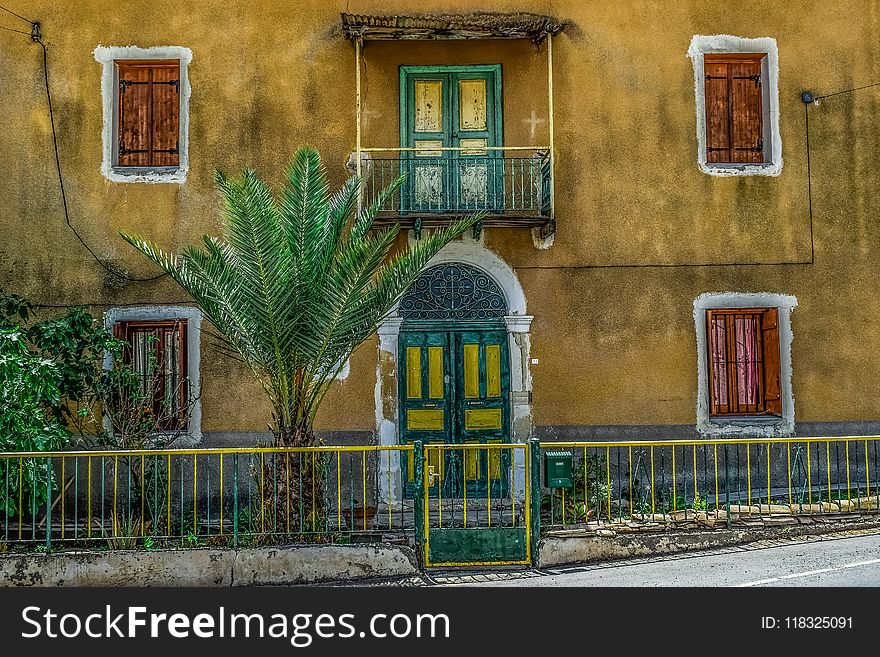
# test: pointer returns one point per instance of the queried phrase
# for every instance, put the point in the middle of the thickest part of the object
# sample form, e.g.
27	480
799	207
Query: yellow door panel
471	371
414	372
494	461
424	419
493	370
436	461
435	373
471	464
483	418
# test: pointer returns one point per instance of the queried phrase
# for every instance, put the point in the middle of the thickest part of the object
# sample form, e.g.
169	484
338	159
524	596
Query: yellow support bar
867	477
168	516
143	496
195	496
115	480
338	492
608	483
810	478
788	453
715	460
674	495
363	479
89	508
653	508
221	498
64	495
749	476
828	468
768	480
848	492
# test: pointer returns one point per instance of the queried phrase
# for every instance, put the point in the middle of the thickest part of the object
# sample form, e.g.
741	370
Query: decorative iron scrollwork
453	291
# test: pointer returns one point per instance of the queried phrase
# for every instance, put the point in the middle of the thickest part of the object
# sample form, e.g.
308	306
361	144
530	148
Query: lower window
156	352
744	362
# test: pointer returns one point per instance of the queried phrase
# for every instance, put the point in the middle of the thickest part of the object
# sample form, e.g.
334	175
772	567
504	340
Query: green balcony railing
441	182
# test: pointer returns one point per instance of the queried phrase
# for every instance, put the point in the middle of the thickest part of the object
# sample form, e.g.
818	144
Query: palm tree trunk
295	501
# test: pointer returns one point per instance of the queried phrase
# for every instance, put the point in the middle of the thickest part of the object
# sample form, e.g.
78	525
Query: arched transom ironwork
453	291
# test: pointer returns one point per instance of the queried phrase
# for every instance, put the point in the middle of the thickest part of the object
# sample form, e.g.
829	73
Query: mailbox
557	469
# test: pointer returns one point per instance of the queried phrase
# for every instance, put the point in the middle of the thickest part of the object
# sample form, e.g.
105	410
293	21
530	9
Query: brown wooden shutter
734	108
166	108
149	110
134	116
746	112
770	340
717	112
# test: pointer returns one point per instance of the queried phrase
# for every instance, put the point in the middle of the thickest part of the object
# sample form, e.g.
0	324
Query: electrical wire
108	268
9	29
9	11
847	91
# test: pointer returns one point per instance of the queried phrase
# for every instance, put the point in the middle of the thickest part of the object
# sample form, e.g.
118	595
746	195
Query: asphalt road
852	560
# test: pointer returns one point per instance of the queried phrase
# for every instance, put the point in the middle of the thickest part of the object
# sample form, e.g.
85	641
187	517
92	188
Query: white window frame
193	316
725	43
756	426
108	56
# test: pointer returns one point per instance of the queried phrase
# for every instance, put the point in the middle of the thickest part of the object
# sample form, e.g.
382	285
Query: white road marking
807	573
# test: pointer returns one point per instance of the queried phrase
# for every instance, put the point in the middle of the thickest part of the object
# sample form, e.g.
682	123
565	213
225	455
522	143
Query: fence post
419	499
49	502
235	499
534	486
727	486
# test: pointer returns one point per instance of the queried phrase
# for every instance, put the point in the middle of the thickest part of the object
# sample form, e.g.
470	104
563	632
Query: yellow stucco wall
616	344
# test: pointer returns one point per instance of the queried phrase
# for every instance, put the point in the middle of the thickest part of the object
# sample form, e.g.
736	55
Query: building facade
677	242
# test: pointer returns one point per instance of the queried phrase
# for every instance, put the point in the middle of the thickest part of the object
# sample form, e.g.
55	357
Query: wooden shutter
149	113
770	345
734	108
717	112
134	116
746	112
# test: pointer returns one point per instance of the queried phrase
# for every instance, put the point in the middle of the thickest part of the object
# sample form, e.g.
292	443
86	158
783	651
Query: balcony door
451	107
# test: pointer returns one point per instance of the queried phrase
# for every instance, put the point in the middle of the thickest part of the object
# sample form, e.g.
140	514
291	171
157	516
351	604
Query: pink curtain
747	360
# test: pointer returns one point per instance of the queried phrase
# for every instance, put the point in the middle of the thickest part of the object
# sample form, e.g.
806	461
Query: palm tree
297	282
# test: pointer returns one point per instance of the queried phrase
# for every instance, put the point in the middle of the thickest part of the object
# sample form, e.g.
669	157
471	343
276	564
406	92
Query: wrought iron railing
449	182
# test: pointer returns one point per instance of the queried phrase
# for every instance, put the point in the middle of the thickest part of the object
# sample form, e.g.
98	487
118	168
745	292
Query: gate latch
431	475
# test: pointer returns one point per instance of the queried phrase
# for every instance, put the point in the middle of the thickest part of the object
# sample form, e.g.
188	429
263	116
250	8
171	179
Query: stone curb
606	545
206	567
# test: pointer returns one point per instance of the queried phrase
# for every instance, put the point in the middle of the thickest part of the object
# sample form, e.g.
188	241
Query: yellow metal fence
426	495
204	496
732	480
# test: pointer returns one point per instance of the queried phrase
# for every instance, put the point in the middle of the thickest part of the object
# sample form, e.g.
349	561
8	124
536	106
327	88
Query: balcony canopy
479	25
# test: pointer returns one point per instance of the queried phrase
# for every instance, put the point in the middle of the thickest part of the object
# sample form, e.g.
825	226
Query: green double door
454	389
456	107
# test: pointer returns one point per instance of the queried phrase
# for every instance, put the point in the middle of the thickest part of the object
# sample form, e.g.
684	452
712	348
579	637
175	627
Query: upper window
735	83
744	368
734	109
156	352
148	113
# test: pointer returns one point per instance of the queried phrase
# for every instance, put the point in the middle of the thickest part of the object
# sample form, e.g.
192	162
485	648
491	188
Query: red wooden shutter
149	109
717	112
166	108
134	116
747	118
770	339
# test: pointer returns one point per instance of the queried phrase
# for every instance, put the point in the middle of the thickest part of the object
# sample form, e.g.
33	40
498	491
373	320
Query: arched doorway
454	376
516	323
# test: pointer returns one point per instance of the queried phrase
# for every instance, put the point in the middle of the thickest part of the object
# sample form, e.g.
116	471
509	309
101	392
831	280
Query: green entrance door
454	389
455	107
